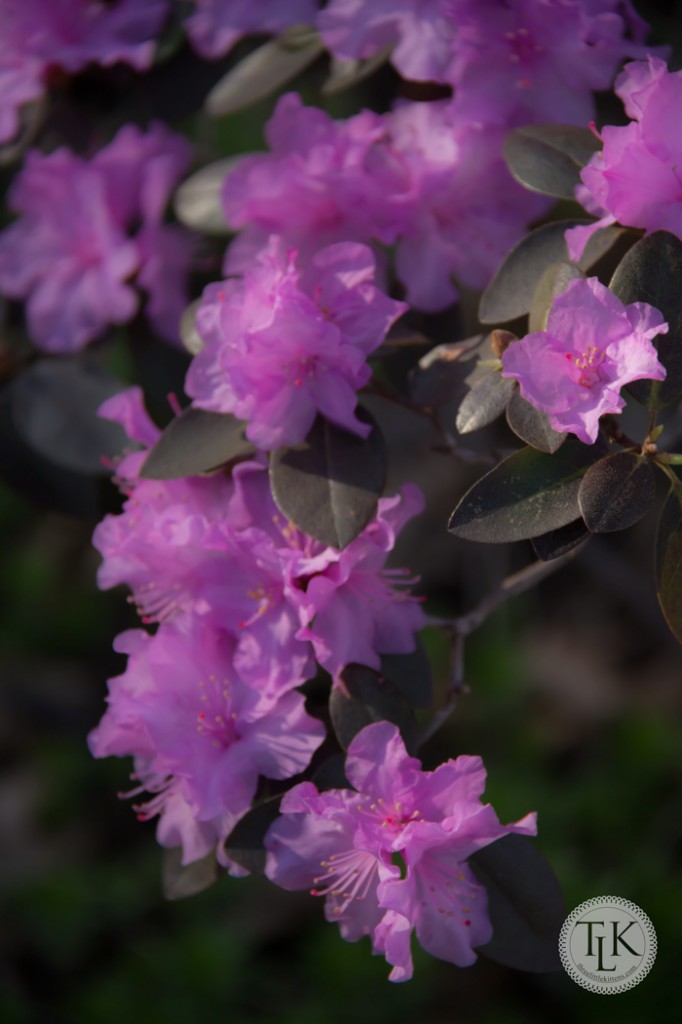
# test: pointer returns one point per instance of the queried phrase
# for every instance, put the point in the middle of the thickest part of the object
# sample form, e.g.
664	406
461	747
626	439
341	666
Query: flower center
588	363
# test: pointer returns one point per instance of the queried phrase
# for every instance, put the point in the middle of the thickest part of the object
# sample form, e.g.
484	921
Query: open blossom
389	856
86	228
284	343
592	347
37	35
216	25
199	735
635	178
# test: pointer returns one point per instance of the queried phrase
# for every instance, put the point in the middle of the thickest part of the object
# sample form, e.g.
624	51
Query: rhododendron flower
283	344
36	35
86	228
216	25
635	178
200	736
390	855
593	345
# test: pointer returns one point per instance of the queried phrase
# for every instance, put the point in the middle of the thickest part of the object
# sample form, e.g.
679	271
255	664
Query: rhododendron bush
207	352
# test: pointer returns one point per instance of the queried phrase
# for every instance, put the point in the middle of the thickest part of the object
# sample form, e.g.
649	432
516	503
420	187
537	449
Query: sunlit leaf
197	202
486	401
532	425
616	492
555	280
548	158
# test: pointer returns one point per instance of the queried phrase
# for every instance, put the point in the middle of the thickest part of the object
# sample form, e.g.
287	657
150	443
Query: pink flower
36	35
216	25
72	253
200	737
390	855
592	347
635	178
283	344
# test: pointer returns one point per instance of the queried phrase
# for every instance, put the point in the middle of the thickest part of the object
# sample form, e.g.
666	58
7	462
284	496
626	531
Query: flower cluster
389	856
86	228
592	347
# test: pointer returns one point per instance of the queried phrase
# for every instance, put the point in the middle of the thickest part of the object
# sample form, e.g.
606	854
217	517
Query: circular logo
607	945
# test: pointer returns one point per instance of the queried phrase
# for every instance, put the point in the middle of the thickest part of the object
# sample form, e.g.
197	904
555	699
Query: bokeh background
574	701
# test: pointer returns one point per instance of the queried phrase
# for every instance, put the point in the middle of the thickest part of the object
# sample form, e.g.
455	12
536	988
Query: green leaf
651	272
344	74
525	903
555	280
486	401
197	201
366	697
616	492
329	484
668	563
265	71
180	881
331	774
532	425
528	494
559	542
195	442
440	376
548	158
411	673
189	334
54	408
245	843
510	293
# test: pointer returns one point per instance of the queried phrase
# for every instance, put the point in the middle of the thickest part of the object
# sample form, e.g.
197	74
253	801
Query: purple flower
283	344
36	35
72	253
635	178
200	737
592	347
216	25
390	855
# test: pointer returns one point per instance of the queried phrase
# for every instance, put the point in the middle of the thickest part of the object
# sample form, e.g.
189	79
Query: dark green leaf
559	542
344	74
532	426
555	280
197	202
510	293
329	484
195	442
331	774
244	845
486	401
265	71
411	673
525	904
440	376
54	406
528	494
369	697
180	881
669	563
651	272
548	158
616	492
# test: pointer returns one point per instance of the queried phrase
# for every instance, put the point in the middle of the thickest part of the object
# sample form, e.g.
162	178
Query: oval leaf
344	74
532	425
548	158
555	280
329	484
369	697
54	408
189	334
510	293
180	881
559	542
651	272
245	843
197	202
669	563
525	903
528	494
616	492
264	71
440	376
195	442
411	673
486	401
